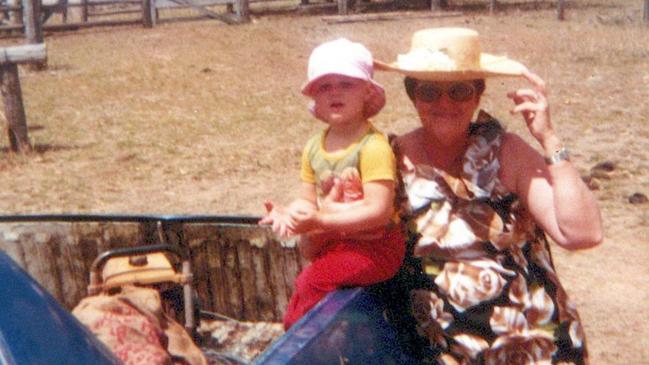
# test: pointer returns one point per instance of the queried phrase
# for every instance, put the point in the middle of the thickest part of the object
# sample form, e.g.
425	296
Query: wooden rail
240	270
492	6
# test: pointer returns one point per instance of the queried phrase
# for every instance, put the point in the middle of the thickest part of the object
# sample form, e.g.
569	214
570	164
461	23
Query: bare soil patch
205	118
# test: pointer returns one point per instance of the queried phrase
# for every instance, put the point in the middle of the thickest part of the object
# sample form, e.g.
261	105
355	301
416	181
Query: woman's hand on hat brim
532	104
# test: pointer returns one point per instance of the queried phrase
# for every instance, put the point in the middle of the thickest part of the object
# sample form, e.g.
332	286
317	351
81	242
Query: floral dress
480	283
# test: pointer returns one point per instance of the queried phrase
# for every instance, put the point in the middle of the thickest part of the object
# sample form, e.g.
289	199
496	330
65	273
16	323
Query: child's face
340	99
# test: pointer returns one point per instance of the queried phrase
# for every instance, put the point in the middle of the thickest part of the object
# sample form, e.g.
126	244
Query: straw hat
343	57
444	54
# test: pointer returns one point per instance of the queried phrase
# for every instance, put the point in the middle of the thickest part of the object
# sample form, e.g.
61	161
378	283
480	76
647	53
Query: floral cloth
480	283
134	327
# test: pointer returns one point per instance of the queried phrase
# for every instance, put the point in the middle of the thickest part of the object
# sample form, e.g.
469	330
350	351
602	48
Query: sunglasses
458	91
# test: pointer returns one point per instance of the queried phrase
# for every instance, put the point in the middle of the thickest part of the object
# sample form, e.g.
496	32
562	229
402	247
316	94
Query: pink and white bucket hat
343	57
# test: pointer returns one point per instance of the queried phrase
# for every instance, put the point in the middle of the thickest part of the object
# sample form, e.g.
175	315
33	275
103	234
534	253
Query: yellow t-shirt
368	159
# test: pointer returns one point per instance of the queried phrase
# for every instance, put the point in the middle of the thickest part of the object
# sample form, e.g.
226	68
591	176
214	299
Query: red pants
345	263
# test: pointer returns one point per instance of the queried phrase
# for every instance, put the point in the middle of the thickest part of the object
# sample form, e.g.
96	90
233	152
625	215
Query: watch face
560	155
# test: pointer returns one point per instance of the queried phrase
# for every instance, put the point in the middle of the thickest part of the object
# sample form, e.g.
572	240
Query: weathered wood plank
208	13
84	11
265	296
86	237
438	4
148	13
24	53
561	10
352	18
247	279
14	110
70	260
11	242
216	274
242	10
493	5
40	257
199	238
128	234
257	290
232	275
277	281
343	7
34	28
292	264
302	261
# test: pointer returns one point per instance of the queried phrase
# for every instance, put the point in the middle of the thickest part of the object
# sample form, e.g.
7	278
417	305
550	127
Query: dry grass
204	118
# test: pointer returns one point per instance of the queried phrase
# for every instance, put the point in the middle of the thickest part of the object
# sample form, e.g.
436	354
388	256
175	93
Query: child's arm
373	211
307	201
280	217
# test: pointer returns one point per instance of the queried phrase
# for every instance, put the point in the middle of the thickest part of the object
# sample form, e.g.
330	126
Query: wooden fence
240	269
20	15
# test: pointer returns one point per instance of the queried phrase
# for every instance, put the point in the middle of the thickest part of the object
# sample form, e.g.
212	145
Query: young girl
358	243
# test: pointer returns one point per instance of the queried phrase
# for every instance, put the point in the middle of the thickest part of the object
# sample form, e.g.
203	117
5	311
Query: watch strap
560	155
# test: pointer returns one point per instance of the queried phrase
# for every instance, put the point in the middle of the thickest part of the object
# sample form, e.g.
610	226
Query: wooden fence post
12	95
438	4
148	13
16	16
64	15
14	109
33	28
492	6
561	5
242	10
343	7
84	11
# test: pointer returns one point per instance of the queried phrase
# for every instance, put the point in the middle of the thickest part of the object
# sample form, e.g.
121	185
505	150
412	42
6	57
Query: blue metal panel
347	327
35	329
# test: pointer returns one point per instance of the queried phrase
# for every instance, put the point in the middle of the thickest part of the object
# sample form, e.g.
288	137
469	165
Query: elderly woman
477	202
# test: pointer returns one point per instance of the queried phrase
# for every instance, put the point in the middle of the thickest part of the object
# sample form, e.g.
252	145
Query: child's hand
304	221
278	218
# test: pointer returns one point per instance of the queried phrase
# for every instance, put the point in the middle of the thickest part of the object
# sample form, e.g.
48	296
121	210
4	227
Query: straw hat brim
490	66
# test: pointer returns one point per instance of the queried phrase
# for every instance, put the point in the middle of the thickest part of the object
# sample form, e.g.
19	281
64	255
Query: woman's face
446	108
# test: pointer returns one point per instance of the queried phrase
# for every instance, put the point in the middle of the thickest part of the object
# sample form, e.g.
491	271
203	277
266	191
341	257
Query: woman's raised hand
532	103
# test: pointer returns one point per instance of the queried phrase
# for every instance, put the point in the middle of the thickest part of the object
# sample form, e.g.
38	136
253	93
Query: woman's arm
554	194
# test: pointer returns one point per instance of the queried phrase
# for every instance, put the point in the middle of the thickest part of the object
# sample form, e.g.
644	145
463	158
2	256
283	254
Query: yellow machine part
120	271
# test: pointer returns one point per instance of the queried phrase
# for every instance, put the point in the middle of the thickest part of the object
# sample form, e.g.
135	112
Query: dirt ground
205	118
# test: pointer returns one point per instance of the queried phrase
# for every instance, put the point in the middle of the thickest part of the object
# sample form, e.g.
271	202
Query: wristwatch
560	155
